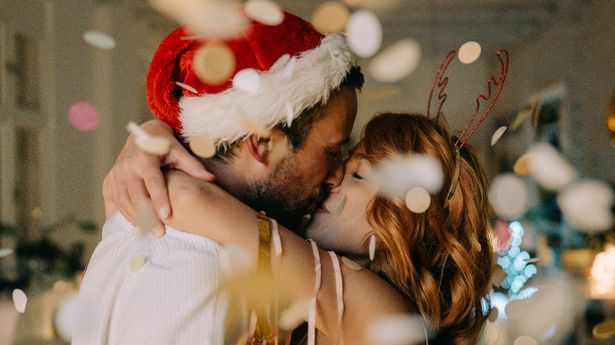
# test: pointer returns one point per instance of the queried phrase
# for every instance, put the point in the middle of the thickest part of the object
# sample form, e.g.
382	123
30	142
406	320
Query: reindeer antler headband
441	81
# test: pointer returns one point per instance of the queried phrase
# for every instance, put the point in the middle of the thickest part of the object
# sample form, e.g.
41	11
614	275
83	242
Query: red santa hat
298	67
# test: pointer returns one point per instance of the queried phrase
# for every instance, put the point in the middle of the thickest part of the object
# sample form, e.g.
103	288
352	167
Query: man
157	291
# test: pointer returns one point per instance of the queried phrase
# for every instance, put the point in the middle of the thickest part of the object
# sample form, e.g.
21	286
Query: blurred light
517	228
514	251
603	274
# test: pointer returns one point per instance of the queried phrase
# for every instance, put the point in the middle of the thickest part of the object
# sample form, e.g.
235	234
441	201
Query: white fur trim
302	82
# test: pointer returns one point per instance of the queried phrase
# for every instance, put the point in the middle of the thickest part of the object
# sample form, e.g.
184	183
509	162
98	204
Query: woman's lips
322	209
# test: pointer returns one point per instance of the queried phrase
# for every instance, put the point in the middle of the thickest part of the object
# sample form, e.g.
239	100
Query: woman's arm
205	209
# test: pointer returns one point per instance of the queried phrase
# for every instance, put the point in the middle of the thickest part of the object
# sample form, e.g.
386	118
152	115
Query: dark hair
302	125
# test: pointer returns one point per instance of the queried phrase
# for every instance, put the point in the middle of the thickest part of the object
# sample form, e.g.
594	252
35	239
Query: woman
439	261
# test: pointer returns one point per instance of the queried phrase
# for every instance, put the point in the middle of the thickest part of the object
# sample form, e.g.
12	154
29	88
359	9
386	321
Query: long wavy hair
442	259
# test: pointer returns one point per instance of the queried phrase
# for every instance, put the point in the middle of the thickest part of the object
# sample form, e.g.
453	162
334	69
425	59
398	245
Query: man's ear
258	148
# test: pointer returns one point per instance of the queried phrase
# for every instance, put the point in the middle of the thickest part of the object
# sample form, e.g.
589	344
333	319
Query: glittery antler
464	136
440	82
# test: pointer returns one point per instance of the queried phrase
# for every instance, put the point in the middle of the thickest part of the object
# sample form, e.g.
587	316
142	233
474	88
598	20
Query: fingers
157	189
122	198
182	160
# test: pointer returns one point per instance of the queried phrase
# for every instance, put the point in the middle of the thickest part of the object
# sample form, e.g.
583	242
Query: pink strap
339	291
312	310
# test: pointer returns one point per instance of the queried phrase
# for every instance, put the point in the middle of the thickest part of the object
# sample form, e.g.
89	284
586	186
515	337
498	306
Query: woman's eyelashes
356	175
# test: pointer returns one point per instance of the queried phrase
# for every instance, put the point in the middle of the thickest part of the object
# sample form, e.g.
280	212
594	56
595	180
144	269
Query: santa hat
298	67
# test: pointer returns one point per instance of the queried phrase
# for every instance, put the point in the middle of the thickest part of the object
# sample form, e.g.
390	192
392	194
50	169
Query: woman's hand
136	176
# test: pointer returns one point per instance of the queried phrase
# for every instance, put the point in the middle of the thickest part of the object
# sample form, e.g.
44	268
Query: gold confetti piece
264	11
522	165
497	135
294	315
340	206
525	340
508	196
372	247
531	260
20	300
330	17
186	87
521	116
364	33
4	252
351	264
136	263
214	63
396	62
248	80
515	309
604	330
202	146
254	128
418	199
493	315
469	52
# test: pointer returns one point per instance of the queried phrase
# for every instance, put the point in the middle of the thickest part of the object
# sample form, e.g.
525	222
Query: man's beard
282	198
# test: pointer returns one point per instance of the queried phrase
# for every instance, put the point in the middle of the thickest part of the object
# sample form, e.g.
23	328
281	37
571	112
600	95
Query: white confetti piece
497	135
202	146
4	252
99	40
364	33
253	127
20	300
531	260
234	260
294	315
75	318
187	87
248	80
469	52
83	116
396	62
264	11
396	330
205	19
604	330
330	17
549	168
340	205
214	63
586	205
394	177
155	145
351	264
372	247
418	199
136	263
508	196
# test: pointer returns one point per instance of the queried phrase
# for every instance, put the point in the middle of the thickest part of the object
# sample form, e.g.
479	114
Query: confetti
364	33
396	330
394	177
187	87
254	128
4	252
604	330
248	80
264	11
214	63
372	247
469	52
516	309
531	260
20	300
136	263
99	40
75	318
493	315
549	168
521	116
508	196
340	206
396	62
155	145
330	17
351	264
294	315
603	274
525	340
202	146
418	199
522	165
206	19
234	260
497	135
586	205
83	116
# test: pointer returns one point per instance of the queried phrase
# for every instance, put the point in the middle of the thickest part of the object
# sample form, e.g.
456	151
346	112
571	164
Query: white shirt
167	301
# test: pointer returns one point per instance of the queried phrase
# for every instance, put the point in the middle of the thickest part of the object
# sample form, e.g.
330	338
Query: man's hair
302	125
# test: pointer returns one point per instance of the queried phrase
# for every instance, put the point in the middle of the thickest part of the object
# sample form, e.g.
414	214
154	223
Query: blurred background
560	90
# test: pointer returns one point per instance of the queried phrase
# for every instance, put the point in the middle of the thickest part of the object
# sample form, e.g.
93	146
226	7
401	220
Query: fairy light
515	262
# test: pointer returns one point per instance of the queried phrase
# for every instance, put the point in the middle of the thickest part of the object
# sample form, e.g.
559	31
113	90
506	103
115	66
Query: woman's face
341	223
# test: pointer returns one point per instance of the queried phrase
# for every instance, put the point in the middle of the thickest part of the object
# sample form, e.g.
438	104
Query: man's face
299	182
